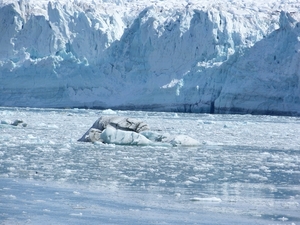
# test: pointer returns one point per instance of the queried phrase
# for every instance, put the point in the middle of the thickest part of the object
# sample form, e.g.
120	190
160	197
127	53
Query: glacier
238	56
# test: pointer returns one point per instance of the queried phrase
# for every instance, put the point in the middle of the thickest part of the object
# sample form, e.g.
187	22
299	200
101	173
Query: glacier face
214	56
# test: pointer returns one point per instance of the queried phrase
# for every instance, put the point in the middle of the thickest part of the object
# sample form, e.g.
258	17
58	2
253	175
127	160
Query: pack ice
130	131
239	56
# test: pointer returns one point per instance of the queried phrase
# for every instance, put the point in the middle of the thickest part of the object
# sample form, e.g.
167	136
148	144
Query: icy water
245	171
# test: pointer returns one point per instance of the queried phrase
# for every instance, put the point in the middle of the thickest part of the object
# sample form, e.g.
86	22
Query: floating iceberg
130	131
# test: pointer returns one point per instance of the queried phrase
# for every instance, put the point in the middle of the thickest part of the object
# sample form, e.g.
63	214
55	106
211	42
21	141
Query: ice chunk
183	140
211	199
119	123
153	136
130	131
6	122
109	112
111	135
17	122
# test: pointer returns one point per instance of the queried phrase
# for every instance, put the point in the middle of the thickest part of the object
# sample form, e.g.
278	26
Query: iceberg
111	129
130	131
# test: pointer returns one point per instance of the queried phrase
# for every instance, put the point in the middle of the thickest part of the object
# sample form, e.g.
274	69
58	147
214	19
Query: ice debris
17	122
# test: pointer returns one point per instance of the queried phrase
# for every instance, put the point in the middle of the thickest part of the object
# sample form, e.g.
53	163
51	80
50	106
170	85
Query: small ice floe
257	176
208	122
183	140
7	122
109	112
17	122
162	181
10	196
130	131
76	214
78	207
211	199
188	182
177	195
52	126
283	219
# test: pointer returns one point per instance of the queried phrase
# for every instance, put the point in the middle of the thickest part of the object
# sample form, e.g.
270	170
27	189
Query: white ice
112	135
176	55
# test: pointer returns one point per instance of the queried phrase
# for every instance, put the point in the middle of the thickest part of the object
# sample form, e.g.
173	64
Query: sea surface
246	170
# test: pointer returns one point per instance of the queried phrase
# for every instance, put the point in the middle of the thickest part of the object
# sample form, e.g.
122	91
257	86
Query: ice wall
212	56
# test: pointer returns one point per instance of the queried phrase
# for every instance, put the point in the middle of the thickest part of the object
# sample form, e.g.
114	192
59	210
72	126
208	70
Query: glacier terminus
183	56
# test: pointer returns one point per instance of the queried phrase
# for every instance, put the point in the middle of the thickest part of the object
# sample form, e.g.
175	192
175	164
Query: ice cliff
238	56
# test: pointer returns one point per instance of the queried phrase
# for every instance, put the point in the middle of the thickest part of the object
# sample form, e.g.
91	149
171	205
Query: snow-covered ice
245	171
237	56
